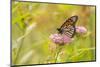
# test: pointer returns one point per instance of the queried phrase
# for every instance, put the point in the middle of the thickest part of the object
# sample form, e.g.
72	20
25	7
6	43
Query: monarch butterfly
68	27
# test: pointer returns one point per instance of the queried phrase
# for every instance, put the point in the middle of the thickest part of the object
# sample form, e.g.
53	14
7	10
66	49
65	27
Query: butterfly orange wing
68	28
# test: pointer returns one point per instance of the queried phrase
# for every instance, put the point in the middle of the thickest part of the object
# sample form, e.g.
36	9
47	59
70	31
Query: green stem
19	50
57	54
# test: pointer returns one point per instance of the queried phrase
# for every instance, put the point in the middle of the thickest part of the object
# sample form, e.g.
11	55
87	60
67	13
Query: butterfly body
68	28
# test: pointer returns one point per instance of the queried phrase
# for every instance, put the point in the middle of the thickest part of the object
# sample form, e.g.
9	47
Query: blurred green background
33	23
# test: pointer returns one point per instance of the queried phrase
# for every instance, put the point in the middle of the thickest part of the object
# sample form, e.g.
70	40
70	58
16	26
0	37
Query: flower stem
20	47
19	50
57	53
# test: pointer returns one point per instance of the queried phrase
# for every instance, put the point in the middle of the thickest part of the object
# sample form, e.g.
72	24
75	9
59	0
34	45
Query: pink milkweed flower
81	29
60	39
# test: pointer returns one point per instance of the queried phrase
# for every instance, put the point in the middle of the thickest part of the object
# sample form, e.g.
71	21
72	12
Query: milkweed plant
63	40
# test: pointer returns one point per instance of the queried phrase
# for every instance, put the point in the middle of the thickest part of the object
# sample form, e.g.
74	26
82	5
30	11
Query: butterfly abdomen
60	31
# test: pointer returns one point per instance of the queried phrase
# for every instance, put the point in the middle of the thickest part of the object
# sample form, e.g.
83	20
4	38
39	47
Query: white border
5	33
88	2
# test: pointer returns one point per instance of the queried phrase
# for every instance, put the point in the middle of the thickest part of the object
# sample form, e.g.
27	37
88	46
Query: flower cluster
63	39
81	30
60	39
